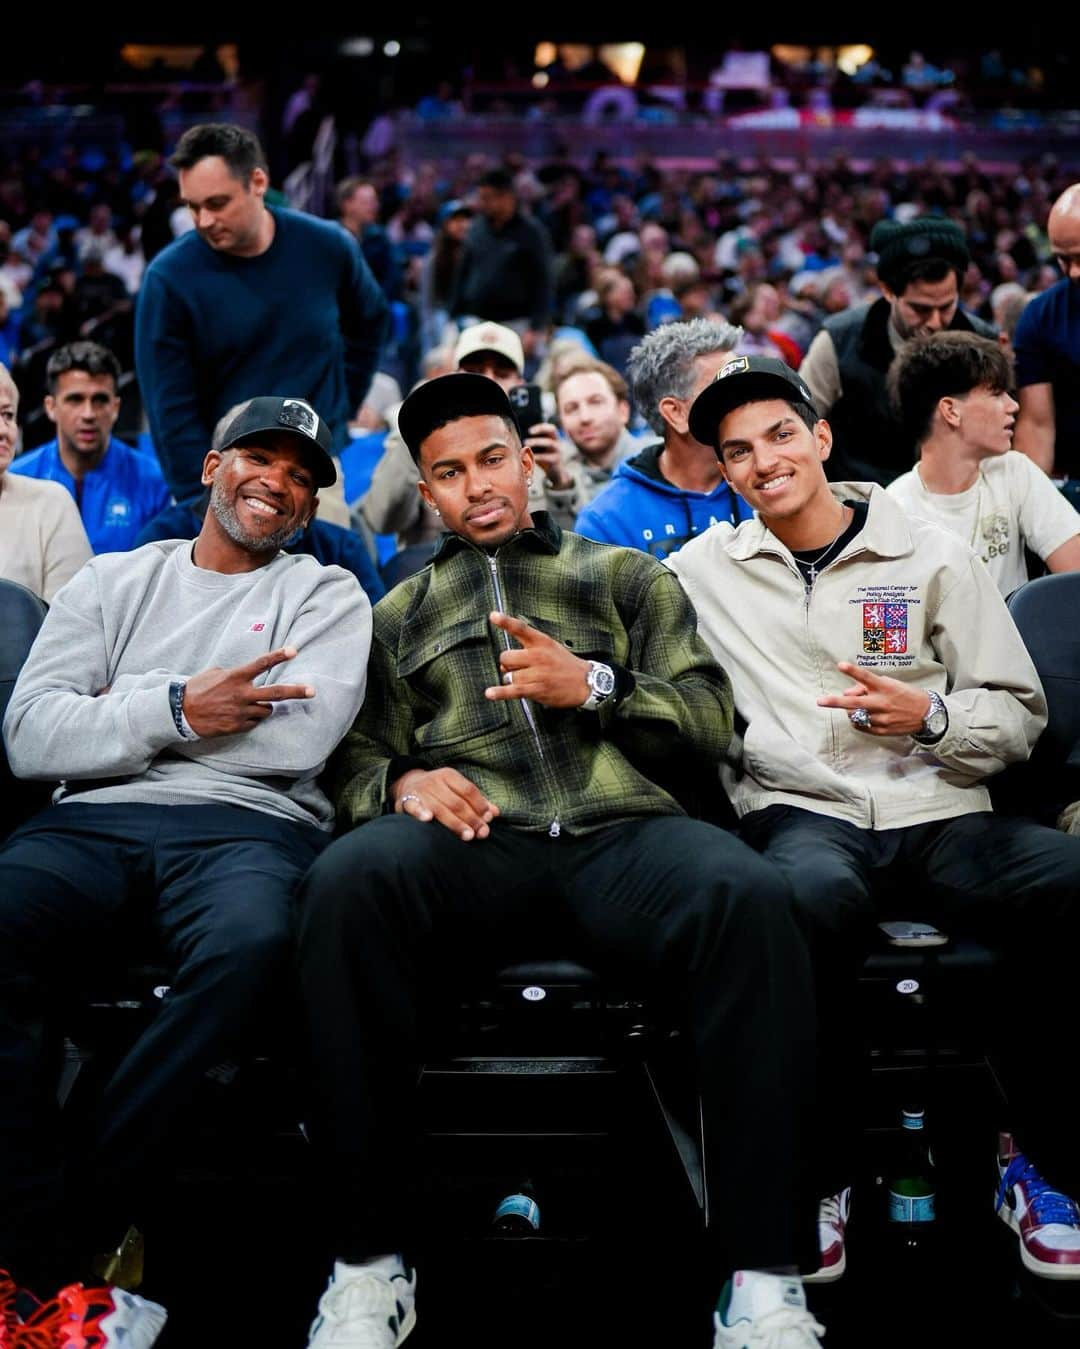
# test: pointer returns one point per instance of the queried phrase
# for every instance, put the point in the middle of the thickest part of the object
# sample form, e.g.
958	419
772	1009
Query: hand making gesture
540	668
878	704
223	702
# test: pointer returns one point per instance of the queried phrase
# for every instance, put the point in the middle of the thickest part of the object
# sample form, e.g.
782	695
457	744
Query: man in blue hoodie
673	489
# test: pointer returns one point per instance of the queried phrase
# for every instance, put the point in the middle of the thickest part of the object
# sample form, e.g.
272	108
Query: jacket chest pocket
449	669
588	642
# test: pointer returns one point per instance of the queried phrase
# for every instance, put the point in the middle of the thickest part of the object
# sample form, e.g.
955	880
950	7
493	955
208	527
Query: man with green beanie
920	266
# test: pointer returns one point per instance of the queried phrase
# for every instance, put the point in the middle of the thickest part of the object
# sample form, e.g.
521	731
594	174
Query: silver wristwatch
601	681
936	721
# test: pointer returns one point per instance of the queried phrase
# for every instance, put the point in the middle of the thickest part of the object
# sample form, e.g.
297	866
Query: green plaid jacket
434	651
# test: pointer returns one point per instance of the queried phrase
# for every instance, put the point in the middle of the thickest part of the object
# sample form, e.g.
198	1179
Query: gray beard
227	518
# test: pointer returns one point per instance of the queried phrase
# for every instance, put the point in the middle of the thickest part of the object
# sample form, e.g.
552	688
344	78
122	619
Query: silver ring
409	796
860	718
508	677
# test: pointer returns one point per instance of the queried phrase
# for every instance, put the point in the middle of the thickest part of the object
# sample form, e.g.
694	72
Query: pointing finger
516	627
261	664
866	677
279	693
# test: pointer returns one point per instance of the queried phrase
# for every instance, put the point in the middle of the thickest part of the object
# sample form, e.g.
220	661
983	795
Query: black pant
681	904
1013	883
216	882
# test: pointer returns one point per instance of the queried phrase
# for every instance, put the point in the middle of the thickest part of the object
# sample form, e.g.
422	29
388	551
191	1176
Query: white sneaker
365	1307
764	1311
832	1221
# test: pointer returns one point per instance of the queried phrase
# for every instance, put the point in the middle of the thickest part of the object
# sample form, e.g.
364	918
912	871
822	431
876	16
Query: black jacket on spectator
505	273
868	442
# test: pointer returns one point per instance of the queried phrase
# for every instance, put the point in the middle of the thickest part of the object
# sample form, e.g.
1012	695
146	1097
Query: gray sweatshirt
132	623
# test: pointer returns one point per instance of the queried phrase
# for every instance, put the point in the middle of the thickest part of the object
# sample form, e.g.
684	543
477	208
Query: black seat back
1046	611
21	616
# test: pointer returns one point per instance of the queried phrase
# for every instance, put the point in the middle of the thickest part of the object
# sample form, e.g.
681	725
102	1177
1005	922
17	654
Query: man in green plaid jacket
539	709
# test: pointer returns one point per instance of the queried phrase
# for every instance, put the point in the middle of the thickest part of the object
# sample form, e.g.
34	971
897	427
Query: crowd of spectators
775	248
574	288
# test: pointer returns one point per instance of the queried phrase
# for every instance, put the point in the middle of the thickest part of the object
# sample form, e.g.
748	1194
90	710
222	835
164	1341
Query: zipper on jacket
555	828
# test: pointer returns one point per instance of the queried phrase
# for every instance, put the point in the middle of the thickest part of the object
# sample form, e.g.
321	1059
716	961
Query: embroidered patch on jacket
885	628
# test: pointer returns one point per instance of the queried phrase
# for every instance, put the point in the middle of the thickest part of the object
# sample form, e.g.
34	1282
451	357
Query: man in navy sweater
252	301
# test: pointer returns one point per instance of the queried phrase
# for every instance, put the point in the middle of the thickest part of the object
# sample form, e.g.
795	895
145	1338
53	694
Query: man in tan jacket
880	682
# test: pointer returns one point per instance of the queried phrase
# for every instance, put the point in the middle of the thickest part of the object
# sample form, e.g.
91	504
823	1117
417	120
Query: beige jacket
904	598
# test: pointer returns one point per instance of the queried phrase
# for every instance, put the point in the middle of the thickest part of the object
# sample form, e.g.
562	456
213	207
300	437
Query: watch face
937	721
602	680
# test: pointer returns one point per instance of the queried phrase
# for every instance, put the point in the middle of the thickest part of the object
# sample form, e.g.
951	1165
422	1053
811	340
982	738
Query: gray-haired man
673	489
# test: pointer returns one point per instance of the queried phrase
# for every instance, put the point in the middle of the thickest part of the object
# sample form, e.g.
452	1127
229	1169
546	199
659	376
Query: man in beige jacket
880	682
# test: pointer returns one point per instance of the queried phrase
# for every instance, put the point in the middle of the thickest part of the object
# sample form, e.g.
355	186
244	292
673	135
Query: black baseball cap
445	399
294	415
744	379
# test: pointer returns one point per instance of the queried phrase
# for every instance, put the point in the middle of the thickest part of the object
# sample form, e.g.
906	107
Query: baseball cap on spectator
898	245
744	379
491	337
809	283
256	416
445	399
452	208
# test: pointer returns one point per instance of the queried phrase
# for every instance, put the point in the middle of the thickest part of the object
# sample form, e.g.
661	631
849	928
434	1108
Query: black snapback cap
445	399
744	379
269	413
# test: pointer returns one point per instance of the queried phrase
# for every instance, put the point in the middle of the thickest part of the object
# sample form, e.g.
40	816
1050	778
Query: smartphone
903	933
528	409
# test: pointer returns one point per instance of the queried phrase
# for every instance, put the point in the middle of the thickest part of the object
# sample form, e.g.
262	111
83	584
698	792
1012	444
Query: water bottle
912	1187
518	1214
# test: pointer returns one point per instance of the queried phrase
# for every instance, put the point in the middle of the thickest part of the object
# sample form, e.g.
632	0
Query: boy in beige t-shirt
42	539
951	391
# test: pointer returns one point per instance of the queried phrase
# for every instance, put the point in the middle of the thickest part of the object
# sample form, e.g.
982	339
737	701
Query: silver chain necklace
812	574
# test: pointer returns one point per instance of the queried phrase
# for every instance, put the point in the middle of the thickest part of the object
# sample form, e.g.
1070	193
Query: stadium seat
21	615
1045	611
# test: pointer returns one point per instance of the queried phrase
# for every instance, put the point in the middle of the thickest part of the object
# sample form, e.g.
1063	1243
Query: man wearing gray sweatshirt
186	696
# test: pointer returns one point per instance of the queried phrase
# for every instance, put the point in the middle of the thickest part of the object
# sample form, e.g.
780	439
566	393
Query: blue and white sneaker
1046	1221
764	1311
370	1306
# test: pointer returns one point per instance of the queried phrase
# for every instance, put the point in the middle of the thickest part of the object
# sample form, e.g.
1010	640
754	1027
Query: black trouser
1013	883
216	883
681	904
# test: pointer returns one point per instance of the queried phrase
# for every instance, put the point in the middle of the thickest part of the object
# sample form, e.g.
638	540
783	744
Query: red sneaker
8	1319
832	1224
92	1318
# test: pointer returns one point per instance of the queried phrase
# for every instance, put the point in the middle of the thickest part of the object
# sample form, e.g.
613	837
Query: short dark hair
805	413
497	179
90	357
947	364
922	269
238	147
437	424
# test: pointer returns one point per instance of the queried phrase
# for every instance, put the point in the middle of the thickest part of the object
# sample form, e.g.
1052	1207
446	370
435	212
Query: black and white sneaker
370	1306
